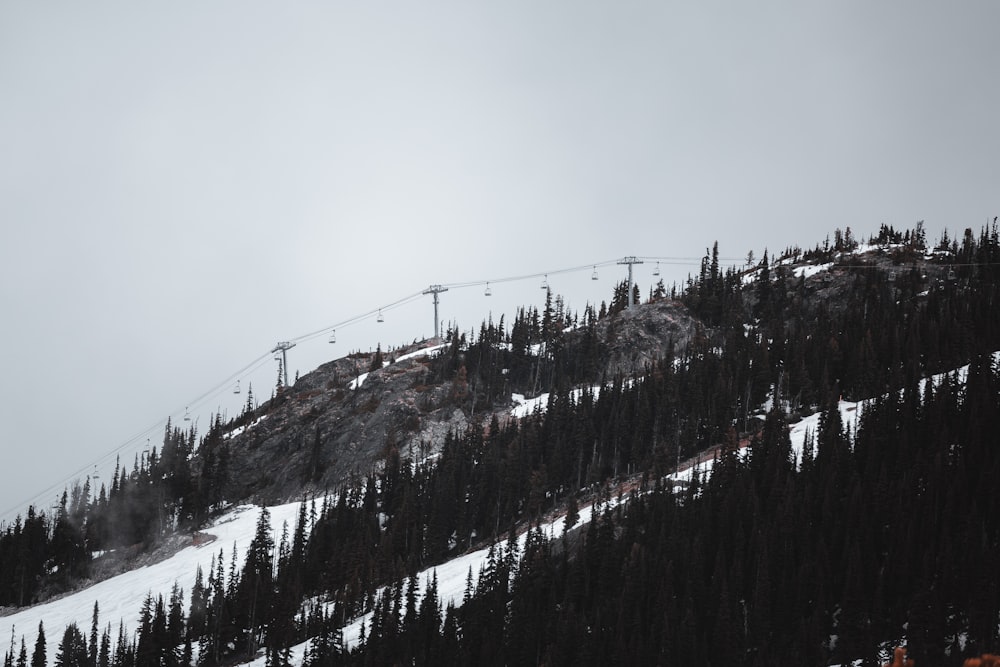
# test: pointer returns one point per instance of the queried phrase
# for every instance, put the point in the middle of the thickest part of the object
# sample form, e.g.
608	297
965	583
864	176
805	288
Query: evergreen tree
104	654
92	647
72	650
38	658
254	595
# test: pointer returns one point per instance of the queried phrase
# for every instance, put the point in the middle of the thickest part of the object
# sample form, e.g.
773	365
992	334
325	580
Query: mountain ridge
420	454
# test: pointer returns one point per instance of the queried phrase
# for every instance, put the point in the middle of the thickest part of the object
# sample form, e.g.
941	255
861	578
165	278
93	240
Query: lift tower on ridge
283	347
435	290
630	261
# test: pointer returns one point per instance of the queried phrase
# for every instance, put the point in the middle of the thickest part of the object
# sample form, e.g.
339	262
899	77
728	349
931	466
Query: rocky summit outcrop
636	338
338	422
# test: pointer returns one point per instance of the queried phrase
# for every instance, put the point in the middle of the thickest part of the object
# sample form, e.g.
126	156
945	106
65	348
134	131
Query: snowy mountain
120	598
738	471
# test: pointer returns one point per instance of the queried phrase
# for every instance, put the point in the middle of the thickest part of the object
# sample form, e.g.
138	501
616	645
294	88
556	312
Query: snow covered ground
526	406
424	352
451	578
810	270
121	597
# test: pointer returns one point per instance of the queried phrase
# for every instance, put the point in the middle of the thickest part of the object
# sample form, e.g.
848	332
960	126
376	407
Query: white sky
183	185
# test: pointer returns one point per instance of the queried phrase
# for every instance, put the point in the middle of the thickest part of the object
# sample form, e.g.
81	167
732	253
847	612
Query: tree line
732	550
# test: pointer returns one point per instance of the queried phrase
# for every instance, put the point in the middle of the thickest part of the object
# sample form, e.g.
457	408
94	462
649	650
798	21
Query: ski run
120	598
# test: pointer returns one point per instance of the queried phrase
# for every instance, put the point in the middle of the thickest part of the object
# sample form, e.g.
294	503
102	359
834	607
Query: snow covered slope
120	598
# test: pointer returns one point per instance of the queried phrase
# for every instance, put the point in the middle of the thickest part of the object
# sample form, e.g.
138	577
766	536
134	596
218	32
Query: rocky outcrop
636	338
337	422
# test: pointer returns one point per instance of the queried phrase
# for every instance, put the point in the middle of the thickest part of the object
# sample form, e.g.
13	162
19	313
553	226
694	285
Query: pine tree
572	513
72	650
174	625
377	360
147	650
38	658
198	605
92	648
104	654
254	595
68	551
124	653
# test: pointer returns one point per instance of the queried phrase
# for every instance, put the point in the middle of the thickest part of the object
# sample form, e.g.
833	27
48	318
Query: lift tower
435	290
630	261
283	347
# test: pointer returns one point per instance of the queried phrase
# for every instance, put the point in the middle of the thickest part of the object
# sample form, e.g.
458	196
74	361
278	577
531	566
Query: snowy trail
451	578
120	598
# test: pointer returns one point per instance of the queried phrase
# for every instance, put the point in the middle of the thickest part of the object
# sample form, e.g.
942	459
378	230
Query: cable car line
226	386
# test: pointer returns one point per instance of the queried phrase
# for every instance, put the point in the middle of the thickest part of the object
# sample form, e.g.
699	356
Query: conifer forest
884	531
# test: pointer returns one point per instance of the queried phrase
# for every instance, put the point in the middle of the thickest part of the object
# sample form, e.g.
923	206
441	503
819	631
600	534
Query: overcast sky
184	184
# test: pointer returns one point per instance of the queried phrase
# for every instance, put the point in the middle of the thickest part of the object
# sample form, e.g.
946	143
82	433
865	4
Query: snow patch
358	381
424	352
526	406
239	429
121	597
810	270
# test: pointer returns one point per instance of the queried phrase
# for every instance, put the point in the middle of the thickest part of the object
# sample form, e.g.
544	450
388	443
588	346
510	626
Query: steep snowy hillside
421	456
120	599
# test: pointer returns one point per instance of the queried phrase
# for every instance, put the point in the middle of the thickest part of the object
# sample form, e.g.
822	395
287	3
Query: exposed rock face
339	421
321	432
331	427
638	337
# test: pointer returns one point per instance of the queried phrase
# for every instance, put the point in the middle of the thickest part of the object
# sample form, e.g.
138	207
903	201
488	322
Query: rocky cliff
338	421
